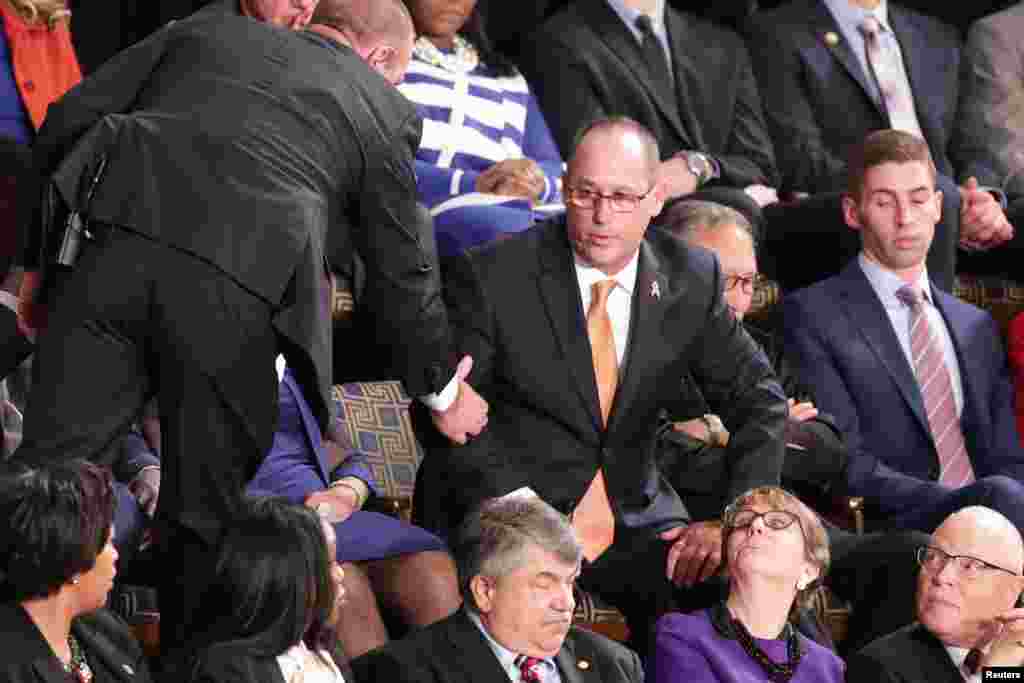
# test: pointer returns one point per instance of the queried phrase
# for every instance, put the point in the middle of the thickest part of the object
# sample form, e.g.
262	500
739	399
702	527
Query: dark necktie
654	55
937	391
529	669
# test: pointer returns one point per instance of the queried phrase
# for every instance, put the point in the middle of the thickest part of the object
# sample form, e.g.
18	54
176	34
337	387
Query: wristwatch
718	435
699	165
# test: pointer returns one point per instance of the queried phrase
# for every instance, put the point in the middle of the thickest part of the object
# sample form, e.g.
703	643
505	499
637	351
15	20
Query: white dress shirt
620	300
958	655
886	284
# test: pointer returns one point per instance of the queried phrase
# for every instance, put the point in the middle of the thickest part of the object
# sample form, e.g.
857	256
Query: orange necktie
593	517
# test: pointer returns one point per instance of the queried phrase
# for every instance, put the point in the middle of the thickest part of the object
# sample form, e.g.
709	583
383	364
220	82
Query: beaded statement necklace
78	666
461	60
778	673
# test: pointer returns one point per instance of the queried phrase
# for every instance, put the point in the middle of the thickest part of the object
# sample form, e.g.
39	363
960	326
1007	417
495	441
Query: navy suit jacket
815	93
841	341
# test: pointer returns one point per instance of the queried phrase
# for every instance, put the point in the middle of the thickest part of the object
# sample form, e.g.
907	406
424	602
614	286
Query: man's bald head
960	601
381	32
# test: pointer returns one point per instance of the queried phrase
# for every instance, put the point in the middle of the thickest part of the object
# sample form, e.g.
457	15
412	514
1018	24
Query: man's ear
380	58
482	588
851	212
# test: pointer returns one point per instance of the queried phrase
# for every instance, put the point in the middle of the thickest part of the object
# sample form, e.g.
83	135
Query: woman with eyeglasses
775	552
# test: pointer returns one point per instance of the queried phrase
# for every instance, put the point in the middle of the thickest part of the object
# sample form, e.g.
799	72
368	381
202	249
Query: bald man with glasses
967	594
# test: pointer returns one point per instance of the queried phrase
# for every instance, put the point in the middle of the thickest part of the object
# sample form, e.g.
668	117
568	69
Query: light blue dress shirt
507	658
629	17
886	284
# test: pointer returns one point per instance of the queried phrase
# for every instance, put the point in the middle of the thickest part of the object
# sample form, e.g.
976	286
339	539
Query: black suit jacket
264	152
516	308
455	651
584	63
909	655
108	643
815	95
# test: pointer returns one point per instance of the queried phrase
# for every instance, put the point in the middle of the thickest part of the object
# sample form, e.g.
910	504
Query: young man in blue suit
915	379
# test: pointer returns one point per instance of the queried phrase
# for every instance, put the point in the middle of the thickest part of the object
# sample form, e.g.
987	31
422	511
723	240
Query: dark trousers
808	240
134	319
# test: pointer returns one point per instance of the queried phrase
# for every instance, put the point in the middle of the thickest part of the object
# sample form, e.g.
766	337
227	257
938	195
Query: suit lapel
646	313
915	49
571	667
616	37
689	82
971	423
870	318
472	658
560	291
103	654
942	668
821	23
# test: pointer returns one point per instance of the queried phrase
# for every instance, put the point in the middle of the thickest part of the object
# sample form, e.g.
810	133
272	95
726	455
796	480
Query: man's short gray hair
493	539
690	217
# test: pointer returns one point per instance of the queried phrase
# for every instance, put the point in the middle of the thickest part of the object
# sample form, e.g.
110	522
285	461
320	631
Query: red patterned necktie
892	83
937	391
529	669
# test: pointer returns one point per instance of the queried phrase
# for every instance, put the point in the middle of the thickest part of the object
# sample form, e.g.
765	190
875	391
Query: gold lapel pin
583	665
831	39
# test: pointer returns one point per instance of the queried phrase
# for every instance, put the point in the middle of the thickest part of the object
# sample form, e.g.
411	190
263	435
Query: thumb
972	183
672	534
463	368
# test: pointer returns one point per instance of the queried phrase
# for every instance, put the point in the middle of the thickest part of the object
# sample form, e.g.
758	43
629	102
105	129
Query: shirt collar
886	283
629	15
848	14
507	658
625	278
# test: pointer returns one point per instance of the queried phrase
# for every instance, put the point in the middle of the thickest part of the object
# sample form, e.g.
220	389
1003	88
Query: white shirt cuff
9	300
443	401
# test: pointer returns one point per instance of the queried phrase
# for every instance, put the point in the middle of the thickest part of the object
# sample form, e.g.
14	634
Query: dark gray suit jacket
109	646
264	152
584	63
516	308
815	95
455	651
909	655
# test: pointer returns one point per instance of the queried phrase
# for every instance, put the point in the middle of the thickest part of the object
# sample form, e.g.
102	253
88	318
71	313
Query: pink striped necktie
892	83
937	391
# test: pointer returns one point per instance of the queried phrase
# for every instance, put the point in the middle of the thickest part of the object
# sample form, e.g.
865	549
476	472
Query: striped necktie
893	87
937	391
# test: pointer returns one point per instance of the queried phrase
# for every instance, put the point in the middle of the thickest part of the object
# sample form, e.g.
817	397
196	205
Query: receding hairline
366	17
625	127
992	521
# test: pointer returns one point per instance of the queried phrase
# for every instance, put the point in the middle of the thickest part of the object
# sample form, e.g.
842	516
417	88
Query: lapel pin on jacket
831	38
128	670
655	290
583	664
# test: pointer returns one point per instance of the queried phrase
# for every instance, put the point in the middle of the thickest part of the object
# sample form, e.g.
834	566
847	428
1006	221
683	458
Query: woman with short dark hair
57	566
272	603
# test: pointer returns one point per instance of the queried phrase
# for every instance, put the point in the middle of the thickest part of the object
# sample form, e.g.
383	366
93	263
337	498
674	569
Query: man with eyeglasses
873	572
968	590
581	330
916	379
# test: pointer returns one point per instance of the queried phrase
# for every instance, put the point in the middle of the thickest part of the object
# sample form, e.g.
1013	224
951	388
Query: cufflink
831	39
583	665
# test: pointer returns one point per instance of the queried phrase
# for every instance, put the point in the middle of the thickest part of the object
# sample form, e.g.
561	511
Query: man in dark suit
690	83
225	160
582	330
816	65
969	583
518	559
915	379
